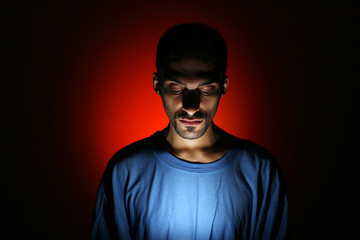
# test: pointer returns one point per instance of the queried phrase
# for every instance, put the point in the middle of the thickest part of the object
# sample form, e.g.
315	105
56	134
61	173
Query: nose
191	101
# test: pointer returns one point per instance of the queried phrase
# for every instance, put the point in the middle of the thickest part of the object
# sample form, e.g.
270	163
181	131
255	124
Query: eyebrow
172	75
175	80
208	82
181	83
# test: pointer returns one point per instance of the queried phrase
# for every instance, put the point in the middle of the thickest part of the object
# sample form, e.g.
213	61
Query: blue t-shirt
147	193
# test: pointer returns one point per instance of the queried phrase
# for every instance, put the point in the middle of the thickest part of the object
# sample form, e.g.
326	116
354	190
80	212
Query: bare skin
207	151
190	95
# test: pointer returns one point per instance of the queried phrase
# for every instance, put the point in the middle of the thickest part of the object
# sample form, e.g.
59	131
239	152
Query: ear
156	83
225	86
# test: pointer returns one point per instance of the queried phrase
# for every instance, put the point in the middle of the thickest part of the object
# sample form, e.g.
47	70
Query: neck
205	149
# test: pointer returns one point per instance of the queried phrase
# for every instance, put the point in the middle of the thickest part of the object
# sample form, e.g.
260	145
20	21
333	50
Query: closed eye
176	91
175	88
207	90
206	93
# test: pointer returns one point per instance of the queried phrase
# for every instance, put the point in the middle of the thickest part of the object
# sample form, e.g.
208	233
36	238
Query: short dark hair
192	41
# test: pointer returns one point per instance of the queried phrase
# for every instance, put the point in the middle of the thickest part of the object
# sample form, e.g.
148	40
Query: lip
190	122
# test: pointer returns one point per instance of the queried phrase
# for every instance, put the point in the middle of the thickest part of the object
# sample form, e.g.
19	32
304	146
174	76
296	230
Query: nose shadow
191	99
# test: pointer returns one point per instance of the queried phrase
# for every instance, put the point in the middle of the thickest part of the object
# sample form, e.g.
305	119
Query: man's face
190	92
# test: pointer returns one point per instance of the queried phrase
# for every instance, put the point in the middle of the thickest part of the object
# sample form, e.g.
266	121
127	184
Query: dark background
306	59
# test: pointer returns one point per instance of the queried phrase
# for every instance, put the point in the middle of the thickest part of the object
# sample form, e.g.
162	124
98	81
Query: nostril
190	109
190	112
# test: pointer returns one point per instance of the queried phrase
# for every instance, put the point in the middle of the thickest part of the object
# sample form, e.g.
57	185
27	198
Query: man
191	180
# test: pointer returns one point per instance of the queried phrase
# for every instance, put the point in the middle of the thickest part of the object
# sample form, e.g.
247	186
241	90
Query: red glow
78	87
123	106
117	102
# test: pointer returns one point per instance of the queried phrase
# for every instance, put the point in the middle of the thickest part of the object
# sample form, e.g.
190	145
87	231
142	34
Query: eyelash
178	91
206	93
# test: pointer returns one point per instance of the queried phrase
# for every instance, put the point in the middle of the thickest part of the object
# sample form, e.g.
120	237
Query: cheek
172	102
209	104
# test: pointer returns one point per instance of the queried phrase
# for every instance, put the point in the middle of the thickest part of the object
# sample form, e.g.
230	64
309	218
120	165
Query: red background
80	88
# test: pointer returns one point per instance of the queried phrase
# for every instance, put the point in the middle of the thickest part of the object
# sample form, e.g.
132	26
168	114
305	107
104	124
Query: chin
190	133
190	136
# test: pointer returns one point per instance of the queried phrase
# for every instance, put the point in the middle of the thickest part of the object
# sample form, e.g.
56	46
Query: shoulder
252	157
256	164
134	156
249	148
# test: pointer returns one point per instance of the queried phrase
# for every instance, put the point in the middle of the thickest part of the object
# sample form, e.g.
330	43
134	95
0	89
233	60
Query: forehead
190	68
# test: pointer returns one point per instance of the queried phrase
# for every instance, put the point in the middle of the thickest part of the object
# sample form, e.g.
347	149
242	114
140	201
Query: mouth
190	122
